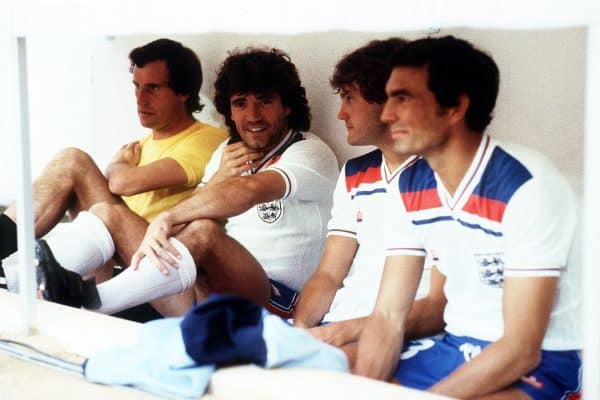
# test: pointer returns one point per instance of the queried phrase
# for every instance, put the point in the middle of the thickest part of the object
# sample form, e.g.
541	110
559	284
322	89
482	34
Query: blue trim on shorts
427	361
287	297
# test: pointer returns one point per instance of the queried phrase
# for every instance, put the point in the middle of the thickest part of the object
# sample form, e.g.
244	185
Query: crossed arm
126	178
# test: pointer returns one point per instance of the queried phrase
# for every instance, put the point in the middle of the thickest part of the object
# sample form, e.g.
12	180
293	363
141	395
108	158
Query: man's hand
156	245
237	158
339	333
129	154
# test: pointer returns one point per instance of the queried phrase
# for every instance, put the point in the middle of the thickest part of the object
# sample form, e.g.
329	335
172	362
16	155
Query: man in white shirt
343	289
499	221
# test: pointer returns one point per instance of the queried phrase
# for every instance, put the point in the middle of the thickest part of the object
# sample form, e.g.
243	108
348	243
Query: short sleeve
343	215
194	152
309	169
539	225
401	237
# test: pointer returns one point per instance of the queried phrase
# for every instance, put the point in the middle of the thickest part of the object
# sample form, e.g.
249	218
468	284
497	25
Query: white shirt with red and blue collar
512	215
358	213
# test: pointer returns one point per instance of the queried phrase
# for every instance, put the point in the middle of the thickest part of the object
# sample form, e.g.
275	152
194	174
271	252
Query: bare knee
74	160
201	234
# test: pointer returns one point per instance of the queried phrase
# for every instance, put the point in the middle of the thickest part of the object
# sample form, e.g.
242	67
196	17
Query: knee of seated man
201	232
74	159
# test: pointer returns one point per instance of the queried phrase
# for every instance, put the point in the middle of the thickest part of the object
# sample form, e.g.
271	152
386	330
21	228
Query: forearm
380	347
526	307
221	200
315	300
498	366
426	318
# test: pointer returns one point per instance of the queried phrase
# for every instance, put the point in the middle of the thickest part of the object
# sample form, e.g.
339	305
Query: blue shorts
426	362
283	299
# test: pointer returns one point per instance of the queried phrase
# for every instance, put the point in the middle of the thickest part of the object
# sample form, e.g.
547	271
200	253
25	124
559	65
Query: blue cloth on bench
175	357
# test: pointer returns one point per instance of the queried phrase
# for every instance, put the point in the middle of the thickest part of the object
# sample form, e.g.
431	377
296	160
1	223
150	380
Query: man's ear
182	97
458	112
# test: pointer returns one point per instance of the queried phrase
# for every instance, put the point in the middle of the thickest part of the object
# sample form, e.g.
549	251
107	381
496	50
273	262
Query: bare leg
227	265
70	182
102	273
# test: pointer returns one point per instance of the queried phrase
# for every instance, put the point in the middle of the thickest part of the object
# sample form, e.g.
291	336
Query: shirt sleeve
401	237
194	152
343	213
539	225
309	169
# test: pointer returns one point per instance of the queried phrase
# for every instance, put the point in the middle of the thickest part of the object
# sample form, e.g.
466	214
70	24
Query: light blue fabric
157	363
289	347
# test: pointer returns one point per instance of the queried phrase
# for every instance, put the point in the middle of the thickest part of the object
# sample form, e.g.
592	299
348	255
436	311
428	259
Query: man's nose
342	114
253	112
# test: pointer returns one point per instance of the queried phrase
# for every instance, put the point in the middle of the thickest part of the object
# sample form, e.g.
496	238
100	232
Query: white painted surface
81	92
25	231
591	228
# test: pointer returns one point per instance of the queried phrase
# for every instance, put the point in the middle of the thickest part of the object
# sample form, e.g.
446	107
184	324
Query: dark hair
261	71
185	70
456	67
368	67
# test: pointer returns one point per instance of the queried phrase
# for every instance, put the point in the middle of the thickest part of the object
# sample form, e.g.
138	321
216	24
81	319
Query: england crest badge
490	268
270	212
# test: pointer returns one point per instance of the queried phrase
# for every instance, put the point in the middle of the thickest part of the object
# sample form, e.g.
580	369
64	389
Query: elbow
530	358
119	187
525	357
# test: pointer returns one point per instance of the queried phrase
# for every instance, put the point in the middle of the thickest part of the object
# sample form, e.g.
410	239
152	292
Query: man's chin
146	123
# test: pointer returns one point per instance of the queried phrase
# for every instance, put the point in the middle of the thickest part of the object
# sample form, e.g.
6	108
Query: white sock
133	287
11	272
82	245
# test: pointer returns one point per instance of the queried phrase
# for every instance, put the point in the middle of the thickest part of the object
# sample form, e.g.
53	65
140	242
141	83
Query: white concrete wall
81	92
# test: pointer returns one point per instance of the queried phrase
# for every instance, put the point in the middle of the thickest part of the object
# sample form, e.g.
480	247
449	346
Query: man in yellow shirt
151	174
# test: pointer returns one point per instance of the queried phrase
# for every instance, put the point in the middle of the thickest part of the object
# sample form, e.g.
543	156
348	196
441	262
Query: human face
260	119
362	119
418	124
159	107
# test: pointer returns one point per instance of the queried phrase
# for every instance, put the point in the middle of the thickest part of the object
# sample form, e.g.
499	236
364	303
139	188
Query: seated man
148	175
271	181
498	218
343	289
